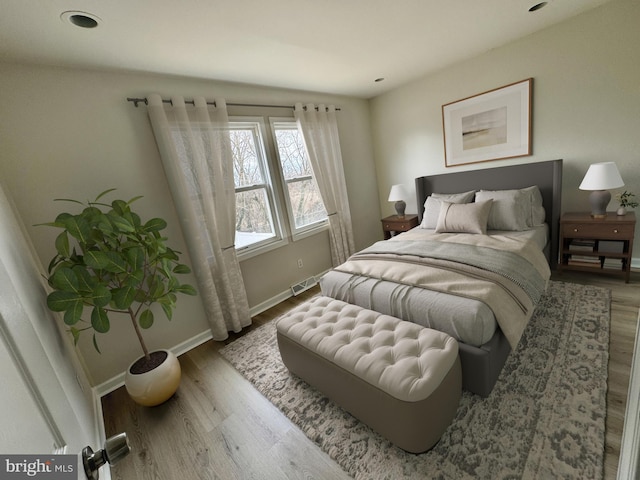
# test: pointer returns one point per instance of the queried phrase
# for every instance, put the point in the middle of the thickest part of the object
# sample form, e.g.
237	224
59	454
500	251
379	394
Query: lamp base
400	206
599	199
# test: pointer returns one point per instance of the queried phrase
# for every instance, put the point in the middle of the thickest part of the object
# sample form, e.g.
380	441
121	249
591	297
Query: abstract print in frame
489	126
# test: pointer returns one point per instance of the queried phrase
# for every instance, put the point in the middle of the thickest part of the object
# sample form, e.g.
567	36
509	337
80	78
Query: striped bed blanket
507	274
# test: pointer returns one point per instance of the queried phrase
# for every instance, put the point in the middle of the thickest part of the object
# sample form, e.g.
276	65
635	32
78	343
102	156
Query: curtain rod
144	100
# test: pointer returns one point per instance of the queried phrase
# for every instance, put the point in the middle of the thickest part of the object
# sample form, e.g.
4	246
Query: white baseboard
118	381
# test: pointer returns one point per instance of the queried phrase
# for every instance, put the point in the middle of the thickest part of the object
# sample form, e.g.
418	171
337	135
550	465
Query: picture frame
493	125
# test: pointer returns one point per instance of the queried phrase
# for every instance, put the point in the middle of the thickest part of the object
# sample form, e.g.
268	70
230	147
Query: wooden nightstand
599	245
394	224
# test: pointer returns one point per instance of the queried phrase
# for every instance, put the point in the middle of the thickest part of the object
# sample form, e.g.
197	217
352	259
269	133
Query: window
259	215
258	211
260	179
255	205
304	204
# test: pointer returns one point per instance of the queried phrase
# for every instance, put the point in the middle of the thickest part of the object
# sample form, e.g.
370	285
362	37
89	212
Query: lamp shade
398	192
602	176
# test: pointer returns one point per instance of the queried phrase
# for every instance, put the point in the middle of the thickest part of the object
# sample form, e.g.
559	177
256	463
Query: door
47	404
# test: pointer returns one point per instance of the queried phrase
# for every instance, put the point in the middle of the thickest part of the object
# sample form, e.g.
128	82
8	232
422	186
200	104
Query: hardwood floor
218	426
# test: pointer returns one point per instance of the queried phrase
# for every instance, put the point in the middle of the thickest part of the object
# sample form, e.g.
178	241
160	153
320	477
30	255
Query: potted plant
626	200
109	263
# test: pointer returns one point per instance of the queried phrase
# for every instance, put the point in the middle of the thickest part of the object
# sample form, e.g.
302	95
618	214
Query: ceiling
333	46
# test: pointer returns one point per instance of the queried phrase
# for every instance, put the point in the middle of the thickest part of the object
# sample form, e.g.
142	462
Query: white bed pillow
514	210
433	202
538	214
464	217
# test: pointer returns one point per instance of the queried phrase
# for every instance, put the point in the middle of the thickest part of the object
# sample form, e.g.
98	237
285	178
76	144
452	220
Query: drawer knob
575	229
615	230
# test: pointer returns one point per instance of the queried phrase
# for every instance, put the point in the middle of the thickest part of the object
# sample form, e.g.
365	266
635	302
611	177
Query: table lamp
398	194
599	179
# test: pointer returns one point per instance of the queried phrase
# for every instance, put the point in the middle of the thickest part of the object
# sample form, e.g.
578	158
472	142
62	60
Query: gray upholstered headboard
546	175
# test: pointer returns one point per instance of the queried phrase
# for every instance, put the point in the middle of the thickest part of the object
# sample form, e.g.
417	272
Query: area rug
544	419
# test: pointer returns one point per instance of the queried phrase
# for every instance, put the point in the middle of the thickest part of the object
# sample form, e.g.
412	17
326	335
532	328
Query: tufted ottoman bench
401	379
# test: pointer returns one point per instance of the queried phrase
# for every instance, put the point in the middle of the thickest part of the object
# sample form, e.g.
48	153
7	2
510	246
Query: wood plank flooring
218	426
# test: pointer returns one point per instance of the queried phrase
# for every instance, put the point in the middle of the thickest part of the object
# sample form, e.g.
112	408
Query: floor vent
303	286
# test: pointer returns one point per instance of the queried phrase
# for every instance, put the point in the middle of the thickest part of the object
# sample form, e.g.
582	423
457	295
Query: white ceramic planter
621	211
156	386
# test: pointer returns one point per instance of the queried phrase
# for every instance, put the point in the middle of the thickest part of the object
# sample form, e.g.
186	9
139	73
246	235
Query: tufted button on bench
401	379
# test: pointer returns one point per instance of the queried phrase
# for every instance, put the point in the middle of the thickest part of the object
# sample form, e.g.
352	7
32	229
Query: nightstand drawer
602	231
397	226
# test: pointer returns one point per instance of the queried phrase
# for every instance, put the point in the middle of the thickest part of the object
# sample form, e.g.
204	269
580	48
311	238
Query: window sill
249	252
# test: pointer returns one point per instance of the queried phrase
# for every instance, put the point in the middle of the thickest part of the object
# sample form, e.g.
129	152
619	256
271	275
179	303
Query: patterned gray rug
544	419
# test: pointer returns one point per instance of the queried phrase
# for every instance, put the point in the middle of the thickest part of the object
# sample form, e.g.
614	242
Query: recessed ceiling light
81	19
537	6
378	80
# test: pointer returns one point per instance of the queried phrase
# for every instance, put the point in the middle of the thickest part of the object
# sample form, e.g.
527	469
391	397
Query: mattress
467	320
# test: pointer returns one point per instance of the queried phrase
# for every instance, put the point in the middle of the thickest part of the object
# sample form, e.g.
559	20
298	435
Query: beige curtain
320	131
195	149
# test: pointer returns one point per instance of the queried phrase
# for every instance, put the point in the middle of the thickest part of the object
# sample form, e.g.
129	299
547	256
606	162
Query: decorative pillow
433	202
464	217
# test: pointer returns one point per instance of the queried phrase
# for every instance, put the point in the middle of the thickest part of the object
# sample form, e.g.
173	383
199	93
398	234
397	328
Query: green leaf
135	257
137	197
64	279
100	320
96	260
155	286
181	269
62	244
67	200
95	344
86	281
135	219
61	218
186	289
73	314
122	224
104	193
78	228
109	261
155	225
168	309
100	296
146	319
91	213
124	297
120	206
60	301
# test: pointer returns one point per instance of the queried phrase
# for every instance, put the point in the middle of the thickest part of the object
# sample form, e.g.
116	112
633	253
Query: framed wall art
489	126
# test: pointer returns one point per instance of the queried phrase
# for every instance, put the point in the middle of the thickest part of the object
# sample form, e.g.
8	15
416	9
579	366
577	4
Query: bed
479	286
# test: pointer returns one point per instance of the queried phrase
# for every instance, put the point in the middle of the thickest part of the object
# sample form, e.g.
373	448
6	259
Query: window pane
304	197
246	168
306	203
292	154
253	217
